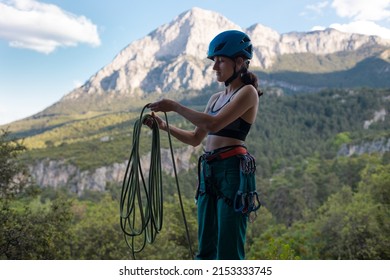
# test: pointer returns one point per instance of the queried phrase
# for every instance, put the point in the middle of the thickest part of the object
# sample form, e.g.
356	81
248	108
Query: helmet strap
235	73
232	78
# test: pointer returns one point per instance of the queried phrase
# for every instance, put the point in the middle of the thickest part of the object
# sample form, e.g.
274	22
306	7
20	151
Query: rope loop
141	202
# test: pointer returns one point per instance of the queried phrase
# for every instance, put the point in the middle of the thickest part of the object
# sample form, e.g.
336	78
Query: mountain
173	57
83	139
170	57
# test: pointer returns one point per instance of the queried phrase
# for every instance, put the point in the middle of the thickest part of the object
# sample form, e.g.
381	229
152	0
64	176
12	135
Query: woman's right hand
163	105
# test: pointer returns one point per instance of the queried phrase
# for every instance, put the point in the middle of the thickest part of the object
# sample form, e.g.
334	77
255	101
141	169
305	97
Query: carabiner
253	196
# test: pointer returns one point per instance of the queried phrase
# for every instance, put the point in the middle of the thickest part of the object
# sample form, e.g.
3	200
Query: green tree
349	226
13	175
172	243
96	231
28	228
375	183
273	245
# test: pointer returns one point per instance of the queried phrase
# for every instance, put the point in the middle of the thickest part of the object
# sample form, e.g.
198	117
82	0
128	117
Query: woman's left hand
152	119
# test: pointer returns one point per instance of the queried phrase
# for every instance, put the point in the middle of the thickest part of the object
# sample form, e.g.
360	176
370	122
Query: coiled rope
141	204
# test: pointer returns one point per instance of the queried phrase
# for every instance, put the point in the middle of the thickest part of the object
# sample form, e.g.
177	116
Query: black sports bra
238	129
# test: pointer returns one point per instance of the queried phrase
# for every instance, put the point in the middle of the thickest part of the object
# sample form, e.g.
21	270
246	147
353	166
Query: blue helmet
231	43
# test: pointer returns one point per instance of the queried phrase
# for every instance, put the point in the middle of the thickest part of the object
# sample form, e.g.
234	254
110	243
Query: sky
50	47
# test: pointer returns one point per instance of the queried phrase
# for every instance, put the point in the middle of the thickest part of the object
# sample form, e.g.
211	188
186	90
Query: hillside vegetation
317	205
287	128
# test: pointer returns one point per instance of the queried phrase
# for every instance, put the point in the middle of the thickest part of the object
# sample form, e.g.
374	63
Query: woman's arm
193	138
245	99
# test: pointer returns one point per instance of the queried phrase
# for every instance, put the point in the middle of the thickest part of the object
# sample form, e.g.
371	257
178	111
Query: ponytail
250	78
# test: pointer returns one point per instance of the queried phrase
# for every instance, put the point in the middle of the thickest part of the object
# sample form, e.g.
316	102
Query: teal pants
221	230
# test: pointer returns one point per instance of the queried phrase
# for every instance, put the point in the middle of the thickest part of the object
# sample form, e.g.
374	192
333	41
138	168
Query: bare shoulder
249	89
248	92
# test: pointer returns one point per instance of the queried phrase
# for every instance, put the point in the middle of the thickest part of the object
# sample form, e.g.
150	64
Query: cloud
363	16
43	27
318	27
317	7
363	27
314	10
362	10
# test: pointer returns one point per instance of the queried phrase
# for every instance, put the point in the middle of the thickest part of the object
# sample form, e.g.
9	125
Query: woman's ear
239	61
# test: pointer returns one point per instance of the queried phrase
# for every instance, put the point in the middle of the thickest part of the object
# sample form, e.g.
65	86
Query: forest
317	204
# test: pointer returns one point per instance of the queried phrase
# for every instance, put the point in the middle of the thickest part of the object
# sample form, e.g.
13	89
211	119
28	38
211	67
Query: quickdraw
247	164
246	202
247	199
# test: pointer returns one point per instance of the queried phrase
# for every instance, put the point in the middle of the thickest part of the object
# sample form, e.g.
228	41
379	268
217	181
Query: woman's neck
233	86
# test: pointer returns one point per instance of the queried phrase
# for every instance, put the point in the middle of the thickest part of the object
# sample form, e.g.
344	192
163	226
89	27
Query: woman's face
223	67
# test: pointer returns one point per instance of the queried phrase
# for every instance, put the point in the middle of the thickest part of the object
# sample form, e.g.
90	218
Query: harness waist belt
225	153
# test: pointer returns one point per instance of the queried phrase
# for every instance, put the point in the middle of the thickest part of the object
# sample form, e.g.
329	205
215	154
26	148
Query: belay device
141	204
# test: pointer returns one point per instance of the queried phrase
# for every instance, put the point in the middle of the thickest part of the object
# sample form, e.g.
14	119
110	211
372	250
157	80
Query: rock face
174	55
56	174
380	146
378	116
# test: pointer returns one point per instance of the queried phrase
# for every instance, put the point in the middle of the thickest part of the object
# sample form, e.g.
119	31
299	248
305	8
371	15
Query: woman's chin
220	79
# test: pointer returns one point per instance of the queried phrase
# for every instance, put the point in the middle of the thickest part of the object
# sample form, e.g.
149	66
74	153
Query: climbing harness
141	203
246	199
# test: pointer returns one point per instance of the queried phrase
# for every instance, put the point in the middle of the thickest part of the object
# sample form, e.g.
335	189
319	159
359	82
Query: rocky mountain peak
160	61
173	56
326	41
190	32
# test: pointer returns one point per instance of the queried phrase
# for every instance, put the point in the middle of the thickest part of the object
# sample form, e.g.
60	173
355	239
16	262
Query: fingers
164	105
148	121
154	106
153	120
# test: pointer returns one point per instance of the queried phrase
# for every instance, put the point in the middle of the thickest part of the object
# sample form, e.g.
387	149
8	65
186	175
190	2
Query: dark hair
250	78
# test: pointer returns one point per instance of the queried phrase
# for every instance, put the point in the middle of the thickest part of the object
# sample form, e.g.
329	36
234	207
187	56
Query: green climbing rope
141	204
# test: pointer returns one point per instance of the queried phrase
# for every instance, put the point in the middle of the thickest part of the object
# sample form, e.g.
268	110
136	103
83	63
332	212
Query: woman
226	192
